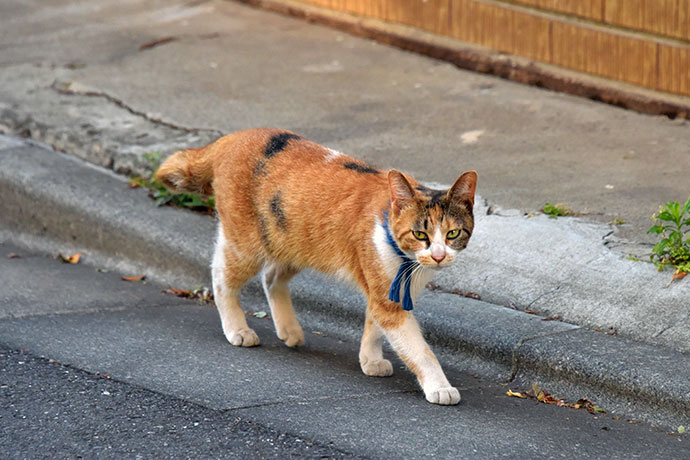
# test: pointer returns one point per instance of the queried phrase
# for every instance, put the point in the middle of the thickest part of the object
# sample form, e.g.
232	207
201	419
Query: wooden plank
602	53
684	19
430	15
324	3
591	9
628	13
674	69
503	29
366	8
669	18
531	37
463	20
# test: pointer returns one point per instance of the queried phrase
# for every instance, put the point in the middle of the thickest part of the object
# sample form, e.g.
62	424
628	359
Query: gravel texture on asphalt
53	411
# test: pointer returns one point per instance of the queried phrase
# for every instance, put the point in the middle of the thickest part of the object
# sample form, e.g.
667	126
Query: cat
286	203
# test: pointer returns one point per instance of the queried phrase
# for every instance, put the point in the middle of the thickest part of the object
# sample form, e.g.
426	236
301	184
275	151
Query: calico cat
286	203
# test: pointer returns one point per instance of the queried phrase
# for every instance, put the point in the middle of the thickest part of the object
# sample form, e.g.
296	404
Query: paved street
54	411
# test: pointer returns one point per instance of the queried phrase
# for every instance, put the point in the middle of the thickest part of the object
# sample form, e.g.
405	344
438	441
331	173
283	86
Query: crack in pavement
64	89
320	398
515	360
544	295
671	326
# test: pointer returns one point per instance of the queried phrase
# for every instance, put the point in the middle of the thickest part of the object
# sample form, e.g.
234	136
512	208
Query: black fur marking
361	168
277	143
438	198
263	230
277	210
420	188
259	168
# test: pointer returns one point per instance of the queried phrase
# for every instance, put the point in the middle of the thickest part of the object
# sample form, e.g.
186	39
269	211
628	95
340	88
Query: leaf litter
134	279
542	396
73	259
200	293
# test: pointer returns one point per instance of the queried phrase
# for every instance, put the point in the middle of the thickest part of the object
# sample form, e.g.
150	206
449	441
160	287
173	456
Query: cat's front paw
293	337
377	368
243	338
446	396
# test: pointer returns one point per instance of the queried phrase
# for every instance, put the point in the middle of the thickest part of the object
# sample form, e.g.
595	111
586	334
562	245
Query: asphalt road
54	411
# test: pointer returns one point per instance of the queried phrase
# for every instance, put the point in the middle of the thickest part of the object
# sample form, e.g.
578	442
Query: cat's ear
402	193
463	189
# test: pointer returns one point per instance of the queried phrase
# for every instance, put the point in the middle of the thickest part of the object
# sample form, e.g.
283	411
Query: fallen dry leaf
516	394
12	255
547	398
531	312
74	259
134	278
201	293
678	275
552	318
177	292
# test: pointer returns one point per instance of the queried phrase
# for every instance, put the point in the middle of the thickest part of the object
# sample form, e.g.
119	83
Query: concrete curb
53	202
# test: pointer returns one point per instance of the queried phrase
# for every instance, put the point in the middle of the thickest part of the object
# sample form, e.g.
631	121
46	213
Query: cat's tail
188	171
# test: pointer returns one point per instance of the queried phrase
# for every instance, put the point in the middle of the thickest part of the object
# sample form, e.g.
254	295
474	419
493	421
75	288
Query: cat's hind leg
230	270
275	279
371	351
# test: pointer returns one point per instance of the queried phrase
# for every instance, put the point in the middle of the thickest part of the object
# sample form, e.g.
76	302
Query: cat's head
434	225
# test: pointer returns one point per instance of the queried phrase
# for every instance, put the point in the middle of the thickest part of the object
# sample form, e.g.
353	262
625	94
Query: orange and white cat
286	203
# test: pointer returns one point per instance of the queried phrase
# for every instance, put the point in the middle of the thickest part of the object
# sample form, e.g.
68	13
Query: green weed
163	196
556	210
672	224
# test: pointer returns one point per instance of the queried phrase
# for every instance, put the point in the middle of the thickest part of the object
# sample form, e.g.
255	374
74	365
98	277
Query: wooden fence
644	42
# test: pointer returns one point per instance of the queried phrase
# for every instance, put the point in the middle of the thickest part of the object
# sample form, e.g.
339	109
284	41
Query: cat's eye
420	235
451	235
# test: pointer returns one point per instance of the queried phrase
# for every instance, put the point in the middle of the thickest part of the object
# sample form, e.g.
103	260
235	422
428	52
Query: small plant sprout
672	224
162	196
556	210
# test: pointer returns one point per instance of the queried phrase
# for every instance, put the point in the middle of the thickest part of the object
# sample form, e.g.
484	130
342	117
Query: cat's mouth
435	265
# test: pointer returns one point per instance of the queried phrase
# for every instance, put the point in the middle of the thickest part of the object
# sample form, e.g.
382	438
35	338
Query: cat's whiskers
420	277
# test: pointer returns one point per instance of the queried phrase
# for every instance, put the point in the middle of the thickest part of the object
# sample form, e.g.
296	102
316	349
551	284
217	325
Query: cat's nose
438	252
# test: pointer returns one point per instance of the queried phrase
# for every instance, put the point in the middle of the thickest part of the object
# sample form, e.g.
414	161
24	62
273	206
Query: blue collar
404	277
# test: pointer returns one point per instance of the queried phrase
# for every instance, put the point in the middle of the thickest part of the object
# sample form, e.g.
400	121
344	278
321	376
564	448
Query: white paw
293	337
446	396
378	368
243	338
